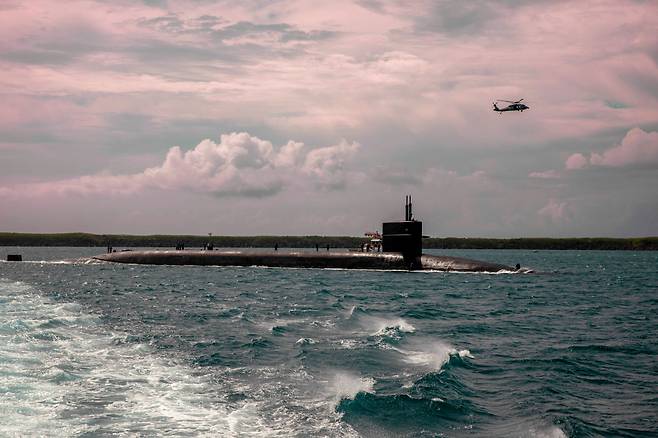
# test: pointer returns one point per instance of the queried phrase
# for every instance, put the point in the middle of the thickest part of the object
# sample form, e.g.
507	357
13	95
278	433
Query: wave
524	428
407	415
386	327
348	344
499	272
631	348
62	371
306	341
344	385
279	326
431	354
547	432
380	326
46	262
75	261
355	309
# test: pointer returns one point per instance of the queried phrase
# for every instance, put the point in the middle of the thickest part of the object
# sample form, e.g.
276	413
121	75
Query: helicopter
516	105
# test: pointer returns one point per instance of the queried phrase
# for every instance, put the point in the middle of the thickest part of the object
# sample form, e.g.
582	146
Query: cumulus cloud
327	165
557	211
576	161
238	165
636	148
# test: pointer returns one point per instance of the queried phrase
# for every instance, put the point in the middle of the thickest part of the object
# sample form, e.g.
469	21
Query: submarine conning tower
405	237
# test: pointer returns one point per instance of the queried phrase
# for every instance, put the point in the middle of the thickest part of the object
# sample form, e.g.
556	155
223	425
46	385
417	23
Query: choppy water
102	349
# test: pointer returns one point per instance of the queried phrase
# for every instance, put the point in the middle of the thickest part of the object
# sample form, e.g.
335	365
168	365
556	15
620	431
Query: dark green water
101	349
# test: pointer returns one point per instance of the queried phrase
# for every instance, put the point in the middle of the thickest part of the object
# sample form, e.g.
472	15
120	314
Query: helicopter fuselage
513	107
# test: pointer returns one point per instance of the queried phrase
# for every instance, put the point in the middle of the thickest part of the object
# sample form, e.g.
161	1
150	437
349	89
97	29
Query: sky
280	117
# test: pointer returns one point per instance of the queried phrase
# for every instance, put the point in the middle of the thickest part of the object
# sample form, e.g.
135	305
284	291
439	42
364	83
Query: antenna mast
408	208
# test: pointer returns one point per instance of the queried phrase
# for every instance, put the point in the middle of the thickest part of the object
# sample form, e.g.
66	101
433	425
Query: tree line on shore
189	241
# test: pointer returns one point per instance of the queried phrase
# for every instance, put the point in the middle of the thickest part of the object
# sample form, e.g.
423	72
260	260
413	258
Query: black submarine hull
334	259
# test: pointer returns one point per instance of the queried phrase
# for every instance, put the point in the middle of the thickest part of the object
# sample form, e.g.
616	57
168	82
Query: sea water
95	349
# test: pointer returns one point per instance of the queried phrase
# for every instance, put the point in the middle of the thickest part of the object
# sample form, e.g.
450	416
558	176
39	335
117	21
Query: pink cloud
414	88
239	164
576	161
547	174
556	211
327	164
636	148
378	68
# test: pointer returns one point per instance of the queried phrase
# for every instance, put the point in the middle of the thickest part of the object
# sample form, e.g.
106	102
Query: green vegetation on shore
121	240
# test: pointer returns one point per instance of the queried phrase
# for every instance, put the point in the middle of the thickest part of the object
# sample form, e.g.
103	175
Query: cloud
547	174
576	161
636	148
412	81
556	211
241	32
327	165
238	165
457	17
394	176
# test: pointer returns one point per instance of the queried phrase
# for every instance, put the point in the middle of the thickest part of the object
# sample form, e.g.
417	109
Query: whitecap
348	344
344	385
543	432
306	341
391	327
432	354
465	353
353	309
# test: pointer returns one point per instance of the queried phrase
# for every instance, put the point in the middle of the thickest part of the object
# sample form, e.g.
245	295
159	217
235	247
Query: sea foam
433	354
392	327
344	385
63	372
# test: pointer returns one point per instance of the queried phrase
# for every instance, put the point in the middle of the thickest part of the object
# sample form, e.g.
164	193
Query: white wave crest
306	341
543	432
433	354
348	344
387	326
354	309
465	353
344	385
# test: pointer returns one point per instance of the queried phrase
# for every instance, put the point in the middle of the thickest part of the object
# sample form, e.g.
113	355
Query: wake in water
283	352
69	376
62	374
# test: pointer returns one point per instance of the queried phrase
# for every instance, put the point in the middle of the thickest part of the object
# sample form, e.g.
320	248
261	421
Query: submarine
401	249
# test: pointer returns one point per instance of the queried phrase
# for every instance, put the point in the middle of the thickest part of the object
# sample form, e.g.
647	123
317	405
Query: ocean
94	349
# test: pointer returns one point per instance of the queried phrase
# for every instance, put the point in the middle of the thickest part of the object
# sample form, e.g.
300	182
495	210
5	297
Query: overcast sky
308	117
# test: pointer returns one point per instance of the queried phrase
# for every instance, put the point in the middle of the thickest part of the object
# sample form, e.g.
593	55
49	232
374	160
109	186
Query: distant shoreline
170	241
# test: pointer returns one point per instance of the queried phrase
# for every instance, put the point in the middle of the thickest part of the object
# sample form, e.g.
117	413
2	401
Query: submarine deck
335	259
